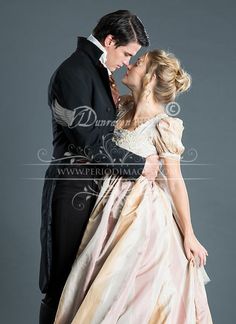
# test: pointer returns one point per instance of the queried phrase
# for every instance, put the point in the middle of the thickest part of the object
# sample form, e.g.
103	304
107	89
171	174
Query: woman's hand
193	249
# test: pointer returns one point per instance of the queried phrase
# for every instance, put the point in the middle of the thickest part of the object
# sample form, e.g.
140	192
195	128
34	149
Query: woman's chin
125	81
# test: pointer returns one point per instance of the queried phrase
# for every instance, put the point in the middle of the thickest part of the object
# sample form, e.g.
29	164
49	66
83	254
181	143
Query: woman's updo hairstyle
171	79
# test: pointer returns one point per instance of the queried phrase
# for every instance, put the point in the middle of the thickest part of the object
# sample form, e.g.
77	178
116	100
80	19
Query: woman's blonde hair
171	79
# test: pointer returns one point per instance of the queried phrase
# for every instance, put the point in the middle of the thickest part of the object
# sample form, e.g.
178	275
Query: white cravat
103	57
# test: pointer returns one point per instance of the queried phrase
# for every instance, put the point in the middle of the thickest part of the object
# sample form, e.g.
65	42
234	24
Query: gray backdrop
36	36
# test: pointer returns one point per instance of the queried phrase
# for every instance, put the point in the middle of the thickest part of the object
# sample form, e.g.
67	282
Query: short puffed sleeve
168	137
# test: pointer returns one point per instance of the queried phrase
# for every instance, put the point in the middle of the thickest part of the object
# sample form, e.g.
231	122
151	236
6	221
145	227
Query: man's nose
126	62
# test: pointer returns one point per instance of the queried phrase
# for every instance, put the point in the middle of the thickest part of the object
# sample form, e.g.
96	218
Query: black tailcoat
78	87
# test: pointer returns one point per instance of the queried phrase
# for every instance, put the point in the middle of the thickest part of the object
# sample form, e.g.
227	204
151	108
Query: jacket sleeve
70	98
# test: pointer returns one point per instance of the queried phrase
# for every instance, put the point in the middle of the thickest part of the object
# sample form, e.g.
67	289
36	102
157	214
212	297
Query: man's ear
109	40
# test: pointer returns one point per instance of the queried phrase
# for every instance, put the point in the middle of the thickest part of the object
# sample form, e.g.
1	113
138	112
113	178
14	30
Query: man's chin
113	69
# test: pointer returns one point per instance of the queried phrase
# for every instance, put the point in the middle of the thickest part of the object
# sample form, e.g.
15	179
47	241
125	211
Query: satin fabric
131	266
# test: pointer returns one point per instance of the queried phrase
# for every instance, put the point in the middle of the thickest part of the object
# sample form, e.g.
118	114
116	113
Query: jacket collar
95	53
90	49
103	57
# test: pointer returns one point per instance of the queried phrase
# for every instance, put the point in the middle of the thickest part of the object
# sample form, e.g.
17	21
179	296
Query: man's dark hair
123	26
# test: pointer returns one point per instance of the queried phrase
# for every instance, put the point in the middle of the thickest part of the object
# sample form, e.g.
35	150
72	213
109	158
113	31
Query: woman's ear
153	80
154	77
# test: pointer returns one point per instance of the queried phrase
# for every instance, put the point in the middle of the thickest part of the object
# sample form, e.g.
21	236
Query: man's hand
151	167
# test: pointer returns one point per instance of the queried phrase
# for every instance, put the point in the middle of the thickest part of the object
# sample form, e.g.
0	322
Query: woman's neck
146	108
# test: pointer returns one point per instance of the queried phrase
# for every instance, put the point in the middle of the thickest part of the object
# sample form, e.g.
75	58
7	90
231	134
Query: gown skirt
131	265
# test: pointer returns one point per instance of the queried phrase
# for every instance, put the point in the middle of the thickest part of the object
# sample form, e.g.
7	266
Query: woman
139	260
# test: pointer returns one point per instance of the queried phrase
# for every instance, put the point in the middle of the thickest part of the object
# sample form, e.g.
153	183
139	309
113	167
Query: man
79	90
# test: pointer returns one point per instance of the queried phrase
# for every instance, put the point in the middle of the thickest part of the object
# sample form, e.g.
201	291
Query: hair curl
171	79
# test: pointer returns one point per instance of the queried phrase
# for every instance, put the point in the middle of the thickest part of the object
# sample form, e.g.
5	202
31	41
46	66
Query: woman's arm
179	195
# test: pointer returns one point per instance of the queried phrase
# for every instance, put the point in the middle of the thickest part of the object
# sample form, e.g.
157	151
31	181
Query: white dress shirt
103	57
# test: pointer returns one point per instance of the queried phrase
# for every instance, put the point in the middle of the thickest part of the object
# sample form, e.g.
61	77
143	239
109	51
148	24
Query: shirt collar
103	57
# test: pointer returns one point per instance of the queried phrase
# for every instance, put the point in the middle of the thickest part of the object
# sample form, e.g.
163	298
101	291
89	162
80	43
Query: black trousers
71	207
